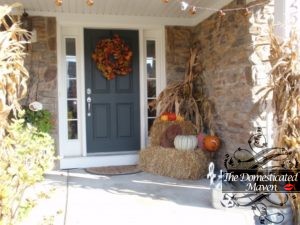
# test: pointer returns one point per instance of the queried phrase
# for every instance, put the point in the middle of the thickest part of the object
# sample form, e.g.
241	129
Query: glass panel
72	93
72	130
72	109
151	111
71	69
151	87
151	49
70	46
150	123
151	68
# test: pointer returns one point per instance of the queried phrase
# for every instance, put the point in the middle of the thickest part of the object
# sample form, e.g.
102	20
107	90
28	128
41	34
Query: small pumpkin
211	143
171	116
185	142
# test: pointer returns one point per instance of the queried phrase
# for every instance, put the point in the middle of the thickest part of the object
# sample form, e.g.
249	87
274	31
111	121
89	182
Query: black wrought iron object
256	176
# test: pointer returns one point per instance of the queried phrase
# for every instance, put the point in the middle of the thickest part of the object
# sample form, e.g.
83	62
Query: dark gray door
114	122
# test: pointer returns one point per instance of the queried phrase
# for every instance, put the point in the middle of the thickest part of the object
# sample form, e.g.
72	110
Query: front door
113	112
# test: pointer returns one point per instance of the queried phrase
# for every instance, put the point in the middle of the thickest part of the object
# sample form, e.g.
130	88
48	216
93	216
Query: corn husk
284	90
187	98
13	74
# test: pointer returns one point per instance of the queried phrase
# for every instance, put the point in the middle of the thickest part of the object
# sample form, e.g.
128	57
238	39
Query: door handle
89	100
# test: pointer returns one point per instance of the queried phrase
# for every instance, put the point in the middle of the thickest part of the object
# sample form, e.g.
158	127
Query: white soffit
137	11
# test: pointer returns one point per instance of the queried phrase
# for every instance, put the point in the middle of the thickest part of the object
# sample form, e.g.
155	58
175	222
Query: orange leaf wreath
113	57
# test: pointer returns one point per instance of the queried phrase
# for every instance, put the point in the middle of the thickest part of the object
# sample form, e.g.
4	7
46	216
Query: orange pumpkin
211	143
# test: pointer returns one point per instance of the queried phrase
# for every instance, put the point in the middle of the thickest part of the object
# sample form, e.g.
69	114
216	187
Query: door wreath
113	57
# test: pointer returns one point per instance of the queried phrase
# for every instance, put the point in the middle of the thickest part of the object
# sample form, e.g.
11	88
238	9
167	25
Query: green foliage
40	119
25	155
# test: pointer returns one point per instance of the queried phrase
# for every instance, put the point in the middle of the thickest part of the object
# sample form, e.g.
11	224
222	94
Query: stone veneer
42	66
234	68
178	40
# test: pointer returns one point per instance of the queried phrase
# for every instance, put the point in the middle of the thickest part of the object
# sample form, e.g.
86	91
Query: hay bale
159	127
175	163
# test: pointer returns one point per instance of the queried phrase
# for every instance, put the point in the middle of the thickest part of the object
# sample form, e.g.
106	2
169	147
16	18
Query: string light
184	6
60	2
221	13
247	12
90	2
193	9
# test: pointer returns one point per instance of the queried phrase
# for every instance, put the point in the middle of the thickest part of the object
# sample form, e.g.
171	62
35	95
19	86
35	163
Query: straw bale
175	163
159	128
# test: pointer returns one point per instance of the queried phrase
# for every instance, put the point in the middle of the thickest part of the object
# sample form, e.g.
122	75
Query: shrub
26	154
40	119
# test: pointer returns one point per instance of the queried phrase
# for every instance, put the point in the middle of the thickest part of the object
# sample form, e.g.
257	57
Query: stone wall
178	41
234	69
42	66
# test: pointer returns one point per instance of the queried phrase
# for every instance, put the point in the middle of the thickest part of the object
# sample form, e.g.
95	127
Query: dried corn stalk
186	99
13	74
284	87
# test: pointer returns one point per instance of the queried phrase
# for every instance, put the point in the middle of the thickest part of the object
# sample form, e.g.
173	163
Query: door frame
73	154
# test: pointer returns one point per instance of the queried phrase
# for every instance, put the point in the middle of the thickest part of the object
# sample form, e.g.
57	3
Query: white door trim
80	159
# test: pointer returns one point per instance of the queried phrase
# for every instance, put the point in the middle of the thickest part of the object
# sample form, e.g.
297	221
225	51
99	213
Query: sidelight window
72	95
151	80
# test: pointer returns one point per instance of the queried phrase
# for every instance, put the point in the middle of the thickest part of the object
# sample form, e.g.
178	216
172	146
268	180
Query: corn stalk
187	98
284	88
13	74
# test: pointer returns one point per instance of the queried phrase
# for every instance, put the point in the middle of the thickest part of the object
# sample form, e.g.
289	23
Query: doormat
114	170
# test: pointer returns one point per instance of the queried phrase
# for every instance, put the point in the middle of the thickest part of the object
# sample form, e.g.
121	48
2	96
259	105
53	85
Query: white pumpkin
185	142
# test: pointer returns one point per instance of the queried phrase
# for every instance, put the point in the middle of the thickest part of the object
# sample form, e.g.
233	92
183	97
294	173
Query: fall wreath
113	57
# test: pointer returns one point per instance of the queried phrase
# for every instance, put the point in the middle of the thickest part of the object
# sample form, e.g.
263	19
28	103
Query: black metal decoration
259	161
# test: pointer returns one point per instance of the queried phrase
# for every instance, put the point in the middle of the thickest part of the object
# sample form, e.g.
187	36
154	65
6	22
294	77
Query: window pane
151	87
72	93
150	123
71	69
151	68
151	49
70	47
72	130
151	111
72	109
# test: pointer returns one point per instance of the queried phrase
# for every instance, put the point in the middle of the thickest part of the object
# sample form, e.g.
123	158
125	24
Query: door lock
89	100
88	91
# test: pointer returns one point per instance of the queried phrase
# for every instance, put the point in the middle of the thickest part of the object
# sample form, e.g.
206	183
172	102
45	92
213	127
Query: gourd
179	118
185	142
164	118
211	143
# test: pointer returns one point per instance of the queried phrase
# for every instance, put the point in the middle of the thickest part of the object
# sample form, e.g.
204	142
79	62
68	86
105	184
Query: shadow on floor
184	192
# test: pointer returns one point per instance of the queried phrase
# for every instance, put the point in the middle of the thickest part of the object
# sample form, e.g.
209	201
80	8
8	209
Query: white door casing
73	152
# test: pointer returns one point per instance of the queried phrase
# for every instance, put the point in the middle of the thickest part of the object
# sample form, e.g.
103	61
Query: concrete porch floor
80	198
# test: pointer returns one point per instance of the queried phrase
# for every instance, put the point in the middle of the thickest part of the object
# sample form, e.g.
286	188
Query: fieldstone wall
42	66
234	69
178	41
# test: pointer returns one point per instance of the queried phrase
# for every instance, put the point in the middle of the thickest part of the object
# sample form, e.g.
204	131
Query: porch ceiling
137	8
